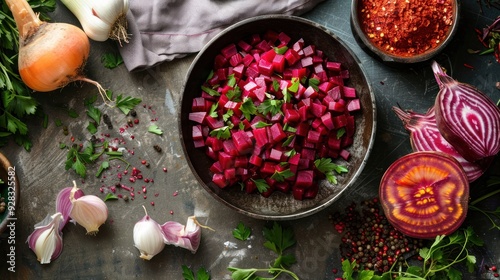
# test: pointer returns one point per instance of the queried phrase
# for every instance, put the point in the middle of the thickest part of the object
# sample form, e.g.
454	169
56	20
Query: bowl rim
363	161
388	57
10	210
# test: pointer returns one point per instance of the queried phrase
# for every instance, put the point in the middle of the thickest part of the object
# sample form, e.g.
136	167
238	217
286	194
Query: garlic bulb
148	237
46	240
64	205
88	211
101	19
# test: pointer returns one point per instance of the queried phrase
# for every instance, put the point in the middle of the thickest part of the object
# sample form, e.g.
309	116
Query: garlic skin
148	237
88	211
64	205
46	240
101	20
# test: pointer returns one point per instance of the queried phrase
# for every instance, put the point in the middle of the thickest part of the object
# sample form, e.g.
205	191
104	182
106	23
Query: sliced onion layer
425	194
425	136
466	117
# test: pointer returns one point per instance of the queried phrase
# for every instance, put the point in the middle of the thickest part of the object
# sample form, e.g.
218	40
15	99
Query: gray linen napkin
162	30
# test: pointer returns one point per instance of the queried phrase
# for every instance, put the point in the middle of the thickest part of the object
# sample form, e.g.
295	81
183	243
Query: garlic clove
64	205
185	236
148	237
46	240
88	211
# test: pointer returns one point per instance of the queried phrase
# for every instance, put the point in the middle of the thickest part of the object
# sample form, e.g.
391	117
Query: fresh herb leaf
92	128
294	86
227	115
201	274
231	80
234	94
281	50
72	113
340	132
261	124
326	166
104	165
271	106
314	83
248	108
125	104
110	196
280	176
76	160
111	60
94	114
155	129
288	140
261	185
242	232
213	110
210	91
58	122
221	133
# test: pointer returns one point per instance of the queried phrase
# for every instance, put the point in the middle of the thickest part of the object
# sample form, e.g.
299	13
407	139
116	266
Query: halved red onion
425	136
425	194
466	117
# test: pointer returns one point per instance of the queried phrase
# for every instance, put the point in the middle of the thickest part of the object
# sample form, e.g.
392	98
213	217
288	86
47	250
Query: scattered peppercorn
107	121
370	240
157	148
133	113
125	197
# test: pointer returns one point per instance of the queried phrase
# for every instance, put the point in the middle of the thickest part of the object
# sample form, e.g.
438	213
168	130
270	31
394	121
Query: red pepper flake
145	197
468	66
143	161
427	29
132	137
152	203
164	169
72	138
171	212
157	194
176	193
136	121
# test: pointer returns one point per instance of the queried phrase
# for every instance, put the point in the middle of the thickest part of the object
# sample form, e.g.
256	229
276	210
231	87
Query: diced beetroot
268	168
339	121
220	180
346	141
291	116
291	56
226	160
325	86
327	120
229	51
199	143
230	173
313	136
353	105
275	155
242	142
263	46
333	142
298	45
197	133
214	143
304	179
310	92
242	172
214	123
250	85
298	193
229	148
244	46
198	117
268	193
198	104
333	66
283	187
266	67
311	192
299	72
294	160
318	110
309	50
337	106
260	93
268	55
220	61
277	133
260	135
247	59
241	161
309	154
255	160
235	59
239	70
306	61
302	129
216	168
279	63
284	38
350	126
349	92
345	154
250	186
271	36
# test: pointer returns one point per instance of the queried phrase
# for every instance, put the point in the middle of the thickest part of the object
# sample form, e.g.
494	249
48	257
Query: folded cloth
162	30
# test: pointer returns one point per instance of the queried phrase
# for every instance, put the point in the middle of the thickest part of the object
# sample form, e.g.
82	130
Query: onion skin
425	194
45	66
425	136
466	117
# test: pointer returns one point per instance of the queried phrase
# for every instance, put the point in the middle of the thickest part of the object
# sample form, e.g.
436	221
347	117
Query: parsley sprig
242	232
327	167
278	240
201	274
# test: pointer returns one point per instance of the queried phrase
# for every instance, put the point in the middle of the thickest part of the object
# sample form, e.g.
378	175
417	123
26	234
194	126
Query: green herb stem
483	197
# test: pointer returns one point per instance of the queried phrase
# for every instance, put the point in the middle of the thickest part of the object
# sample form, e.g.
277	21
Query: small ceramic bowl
386	54
9	191
279	206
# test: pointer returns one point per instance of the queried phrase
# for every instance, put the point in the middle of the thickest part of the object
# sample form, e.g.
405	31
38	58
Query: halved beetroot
425	194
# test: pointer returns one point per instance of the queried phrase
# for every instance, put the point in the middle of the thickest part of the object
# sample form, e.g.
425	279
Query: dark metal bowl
279	206
395	60
9	190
